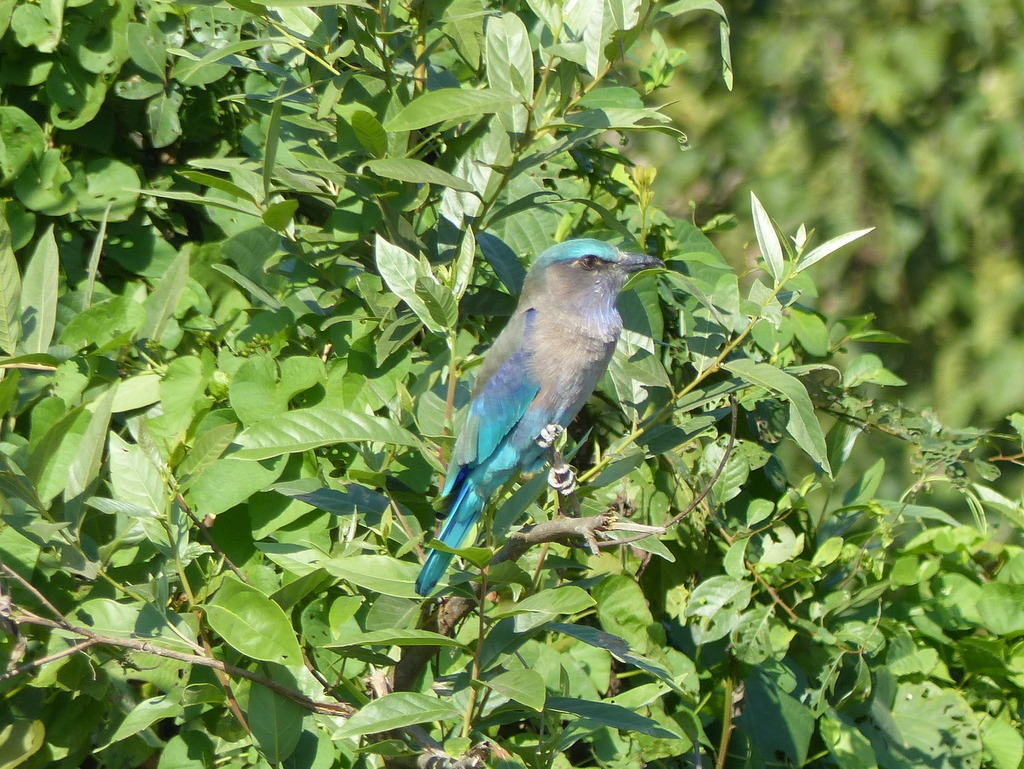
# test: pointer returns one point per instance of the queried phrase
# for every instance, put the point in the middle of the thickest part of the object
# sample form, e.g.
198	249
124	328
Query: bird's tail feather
465	511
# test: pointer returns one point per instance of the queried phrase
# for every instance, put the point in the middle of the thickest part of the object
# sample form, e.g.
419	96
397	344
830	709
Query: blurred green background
904	116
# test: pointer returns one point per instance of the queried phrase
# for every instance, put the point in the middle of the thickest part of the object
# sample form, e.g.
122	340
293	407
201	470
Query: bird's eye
588	262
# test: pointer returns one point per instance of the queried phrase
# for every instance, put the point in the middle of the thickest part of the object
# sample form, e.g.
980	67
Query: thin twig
38	663
32	589
204	530
147	647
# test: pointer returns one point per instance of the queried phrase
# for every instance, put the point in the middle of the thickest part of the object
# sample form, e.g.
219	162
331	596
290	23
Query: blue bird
538	374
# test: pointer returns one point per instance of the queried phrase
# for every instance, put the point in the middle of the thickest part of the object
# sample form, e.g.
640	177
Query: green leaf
396	711
228	482
397	637
85	468
187	750
615	646
548	604
10	292
75	94
142	716
279	215
276	722
810	331
609	714
447	104
45	185
19	741
803	426
779	725
438	300
134	477
304	429
717	602
1003	742
849	747
148	49
55	453
416	172
206	449
933	727
412	280
768	241
39	294
217	183
181	395
108	324
110	191
378	573
163	302
162	115
868	368
137	392
524	686
370	133
510	66
597	21
252	624
1001	607
38	24
622	609
21	142
815	255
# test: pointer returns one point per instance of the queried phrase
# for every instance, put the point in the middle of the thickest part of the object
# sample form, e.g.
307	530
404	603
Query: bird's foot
562	479
549	435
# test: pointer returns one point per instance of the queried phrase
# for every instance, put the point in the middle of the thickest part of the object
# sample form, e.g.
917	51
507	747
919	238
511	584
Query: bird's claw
562	479
549	435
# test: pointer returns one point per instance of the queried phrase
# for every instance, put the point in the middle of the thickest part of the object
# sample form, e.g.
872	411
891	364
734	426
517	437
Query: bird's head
585	270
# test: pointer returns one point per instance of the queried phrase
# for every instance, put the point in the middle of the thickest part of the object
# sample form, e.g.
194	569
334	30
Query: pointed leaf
304	429
402	272
85	467
10	292
161	304
39	294
815	255
398	637
615	646
206	450
142	716
134	478
379	573
767	240
276	723
448	104
524	686
395	711
253	624
416	172
370	133
609	714
803	424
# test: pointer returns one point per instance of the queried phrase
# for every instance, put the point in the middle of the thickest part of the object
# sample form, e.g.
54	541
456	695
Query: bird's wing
504	392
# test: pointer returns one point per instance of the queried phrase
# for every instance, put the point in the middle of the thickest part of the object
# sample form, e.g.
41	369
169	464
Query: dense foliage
901	114
250	255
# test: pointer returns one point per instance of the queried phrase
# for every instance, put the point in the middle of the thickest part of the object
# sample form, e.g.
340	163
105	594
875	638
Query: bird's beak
632	262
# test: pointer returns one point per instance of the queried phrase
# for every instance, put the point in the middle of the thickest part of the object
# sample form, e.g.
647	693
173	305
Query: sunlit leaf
397	710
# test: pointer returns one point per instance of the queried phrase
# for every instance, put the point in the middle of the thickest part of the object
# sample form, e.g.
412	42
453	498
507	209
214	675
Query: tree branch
23	617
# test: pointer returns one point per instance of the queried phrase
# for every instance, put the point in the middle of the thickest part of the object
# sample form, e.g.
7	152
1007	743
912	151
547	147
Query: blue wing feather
503	393
490	446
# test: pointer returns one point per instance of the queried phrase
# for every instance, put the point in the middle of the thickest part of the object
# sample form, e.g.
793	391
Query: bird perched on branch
539	372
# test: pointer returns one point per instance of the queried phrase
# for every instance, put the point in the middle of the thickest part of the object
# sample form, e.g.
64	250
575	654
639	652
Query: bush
250	256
